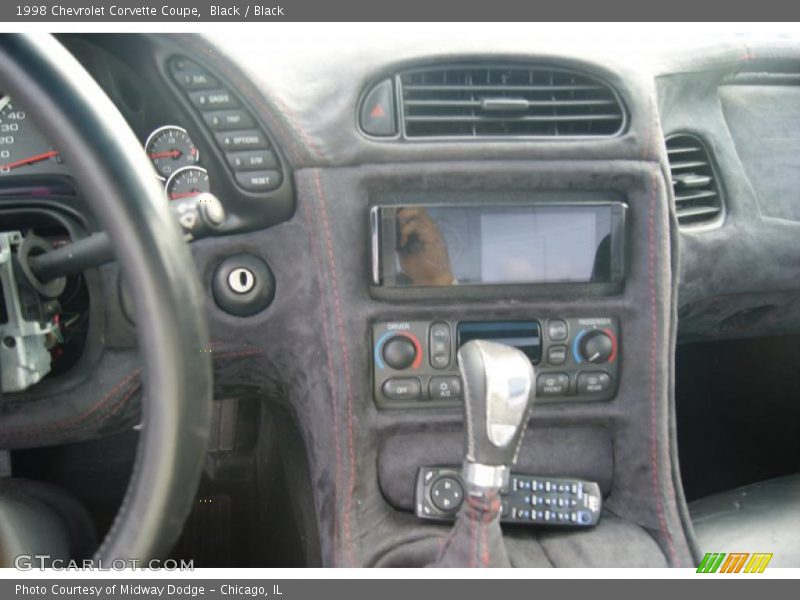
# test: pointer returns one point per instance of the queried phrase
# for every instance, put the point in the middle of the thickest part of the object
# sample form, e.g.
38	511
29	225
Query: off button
402	388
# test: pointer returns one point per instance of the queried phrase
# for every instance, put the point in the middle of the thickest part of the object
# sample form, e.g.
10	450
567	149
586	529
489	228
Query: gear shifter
498	397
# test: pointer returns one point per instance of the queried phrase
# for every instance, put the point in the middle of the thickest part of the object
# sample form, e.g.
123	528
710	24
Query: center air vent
697	199
507	101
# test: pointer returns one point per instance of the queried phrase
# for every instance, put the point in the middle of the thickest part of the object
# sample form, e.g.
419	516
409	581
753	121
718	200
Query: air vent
697	199
507	101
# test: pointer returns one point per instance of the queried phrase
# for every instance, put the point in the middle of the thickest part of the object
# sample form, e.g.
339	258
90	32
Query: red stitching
473	527
71	421
346	356
249	352
653	351
331	382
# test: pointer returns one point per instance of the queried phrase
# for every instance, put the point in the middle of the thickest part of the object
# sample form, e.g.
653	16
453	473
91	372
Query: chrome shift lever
498	396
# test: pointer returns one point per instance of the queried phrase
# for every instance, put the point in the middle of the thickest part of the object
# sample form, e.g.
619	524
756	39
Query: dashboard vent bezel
698	203
550	81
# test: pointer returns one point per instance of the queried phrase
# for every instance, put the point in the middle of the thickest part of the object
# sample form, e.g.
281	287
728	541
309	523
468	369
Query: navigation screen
474	245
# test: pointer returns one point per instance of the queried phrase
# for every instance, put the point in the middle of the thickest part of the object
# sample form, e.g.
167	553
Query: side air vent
507	101
697	198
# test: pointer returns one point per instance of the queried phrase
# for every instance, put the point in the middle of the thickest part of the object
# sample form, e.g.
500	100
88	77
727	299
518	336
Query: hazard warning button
377	111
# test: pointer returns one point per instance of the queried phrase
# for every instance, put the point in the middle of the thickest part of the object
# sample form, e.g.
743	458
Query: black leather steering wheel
119	184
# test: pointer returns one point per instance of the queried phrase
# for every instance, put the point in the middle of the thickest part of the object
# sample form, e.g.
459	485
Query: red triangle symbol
377	112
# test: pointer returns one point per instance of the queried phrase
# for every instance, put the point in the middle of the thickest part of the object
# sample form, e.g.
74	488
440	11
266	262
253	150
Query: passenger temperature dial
597	347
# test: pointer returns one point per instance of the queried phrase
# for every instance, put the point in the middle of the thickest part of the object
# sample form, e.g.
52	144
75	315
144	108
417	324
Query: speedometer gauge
187	181
170	148
23	148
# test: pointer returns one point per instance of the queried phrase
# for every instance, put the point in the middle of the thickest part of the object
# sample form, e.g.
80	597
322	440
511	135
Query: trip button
223	120
445	388
557	330
557	355
440	344
249	139
552	384
212	99
596	382
259	181
402	388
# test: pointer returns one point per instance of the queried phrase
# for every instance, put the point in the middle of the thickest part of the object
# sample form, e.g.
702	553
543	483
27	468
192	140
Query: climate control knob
399	352
596	346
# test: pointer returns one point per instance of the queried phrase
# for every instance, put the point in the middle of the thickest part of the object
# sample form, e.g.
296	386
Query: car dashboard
379	201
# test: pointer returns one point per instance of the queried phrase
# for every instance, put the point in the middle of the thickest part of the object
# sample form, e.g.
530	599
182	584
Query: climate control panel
415	362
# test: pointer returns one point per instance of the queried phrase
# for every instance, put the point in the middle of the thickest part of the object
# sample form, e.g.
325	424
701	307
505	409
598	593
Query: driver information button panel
415	365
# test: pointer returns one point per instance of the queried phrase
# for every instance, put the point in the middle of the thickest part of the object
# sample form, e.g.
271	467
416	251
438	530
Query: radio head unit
436	245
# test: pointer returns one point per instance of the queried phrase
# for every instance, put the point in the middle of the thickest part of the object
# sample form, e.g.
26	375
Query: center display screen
446	245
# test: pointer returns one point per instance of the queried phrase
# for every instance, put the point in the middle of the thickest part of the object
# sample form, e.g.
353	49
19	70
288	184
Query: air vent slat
499	100
530	103
503	88
697	198
688	164
697	211
481	119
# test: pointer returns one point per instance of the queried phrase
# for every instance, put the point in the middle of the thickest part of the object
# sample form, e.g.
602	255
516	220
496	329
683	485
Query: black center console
439	245
414	362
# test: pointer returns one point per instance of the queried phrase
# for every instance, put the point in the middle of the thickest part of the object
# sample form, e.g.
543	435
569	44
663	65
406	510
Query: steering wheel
119	185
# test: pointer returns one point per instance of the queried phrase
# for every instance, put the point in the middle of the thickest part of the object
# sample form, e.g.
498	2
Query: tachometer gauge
23	148
170	148
187	181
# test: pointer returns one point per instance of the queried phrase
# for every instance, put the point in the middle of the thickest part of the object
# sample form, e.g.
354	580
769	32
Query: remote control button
447	494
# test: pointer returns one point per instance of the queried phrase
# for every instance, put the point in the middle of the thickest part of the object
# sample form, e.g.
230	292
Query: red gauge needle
29	161
183	195
166	154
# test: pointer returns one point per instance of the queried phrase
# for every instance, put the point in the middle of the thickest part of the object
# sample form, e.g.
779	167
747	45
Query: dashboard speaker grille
697	198
507	101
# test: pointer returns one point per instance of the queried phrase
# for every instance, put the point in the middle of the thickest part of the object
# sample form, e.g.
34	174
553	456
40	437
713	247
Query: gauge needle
4	102
166	154
29	161
183	195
